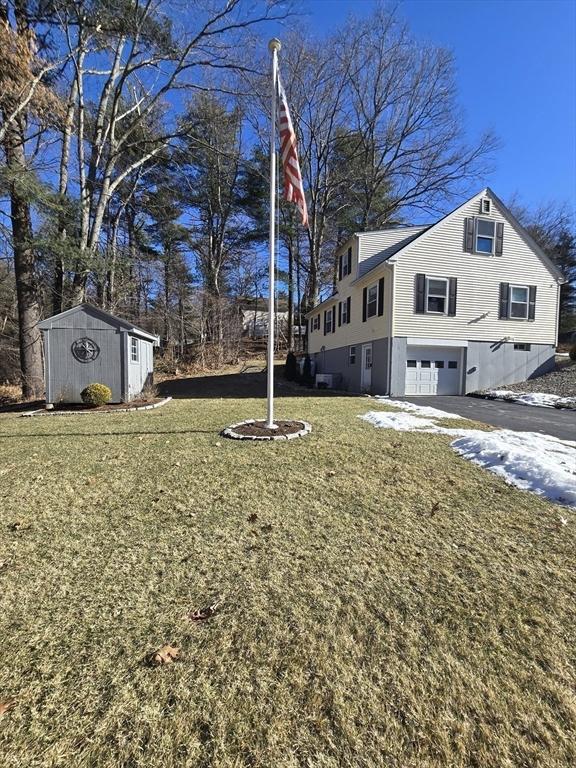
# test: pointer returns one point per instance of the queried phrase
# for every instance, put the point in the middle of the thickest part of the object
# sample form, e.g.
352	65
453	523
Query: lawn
384	602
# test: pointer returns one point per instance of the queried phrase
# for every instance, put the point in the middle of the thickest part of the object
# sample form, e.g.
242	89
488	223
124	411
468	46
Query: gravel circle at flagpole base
253	429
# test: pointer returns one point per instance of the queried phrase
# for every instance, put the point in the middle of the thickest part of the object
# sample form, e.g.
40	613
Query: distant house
85	345
467	303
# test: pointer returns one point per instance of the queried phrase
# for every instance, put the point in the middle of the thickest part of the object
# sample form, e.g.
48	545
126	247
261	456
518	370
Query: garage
433	370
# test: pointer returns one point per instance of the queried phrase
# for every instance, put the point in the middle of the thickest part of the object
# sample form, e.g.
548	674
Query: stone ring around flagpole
252	429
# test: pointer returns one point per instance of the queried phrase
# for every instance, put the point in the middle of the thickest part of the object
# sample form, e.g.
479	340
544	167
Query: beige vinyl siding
440	253
356	331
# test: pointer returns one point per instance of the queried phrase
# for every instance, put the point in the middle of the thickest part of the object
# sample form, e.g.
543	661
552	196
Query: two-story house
467	303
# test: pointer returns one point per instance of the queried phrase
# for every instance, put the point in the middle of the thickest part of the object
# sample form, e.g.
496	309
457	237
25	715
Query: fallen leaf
176	463
19	525
91	481
204	613
331	473
218	445
166	654
253	517
6	705
266	528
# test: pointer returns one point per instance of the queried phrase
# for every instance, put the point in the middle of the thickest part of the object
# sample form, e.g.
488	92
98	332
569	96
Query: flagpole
274	46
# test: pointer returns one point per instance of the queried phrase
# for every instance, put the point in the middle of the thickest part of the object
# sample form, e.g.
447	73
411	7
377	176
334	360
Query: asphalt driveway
523	418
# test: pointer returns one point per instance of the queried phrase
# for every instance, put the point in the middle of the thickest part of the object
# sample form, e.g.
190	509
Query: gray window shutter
339	313
452	288
469	235
334	319
380	297
420	292
310	325
532	303
499	238
504	300
325	315
349	261
340	267
364	303
348	305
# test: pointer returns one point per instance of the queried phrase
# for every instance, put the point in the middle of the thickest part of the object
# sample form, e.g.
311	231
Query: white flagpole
274	46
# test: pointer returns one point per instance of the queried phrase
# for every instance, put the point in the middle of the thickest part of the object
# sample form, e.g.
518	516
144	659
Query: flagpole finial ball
274	45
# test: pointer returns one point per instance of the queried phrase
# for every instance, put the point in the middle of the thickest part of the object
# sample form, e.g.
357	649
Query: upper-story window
436	294
345	264
519	300
485	235
486	206
134	350
372	301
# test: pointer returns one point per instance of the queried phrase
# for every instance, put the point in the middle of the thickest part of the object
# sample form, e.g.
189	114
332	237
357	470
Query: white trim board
416	341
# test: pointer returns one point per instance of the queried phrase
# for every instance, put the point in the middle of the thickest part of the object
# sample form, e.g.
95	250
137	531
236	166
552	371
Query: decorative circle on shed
85	350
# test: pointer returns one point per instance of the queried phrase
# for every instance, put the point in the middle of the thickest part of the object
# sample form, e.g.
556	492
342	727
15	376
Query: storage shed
85	345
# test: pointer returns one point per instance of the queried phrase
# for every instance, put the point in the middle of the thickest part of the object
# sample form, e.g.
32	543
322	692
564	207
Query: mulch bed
103	408
259	429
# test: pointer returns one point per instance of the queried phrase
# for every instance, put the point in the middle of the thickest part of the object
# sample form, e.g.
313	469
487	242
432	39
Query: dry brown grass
385	603
10	393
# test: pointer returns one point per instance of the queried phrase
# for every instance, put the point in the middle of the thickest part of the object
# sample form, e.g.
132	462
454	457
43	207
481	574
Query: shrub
96	394
307	377
572	352
291	367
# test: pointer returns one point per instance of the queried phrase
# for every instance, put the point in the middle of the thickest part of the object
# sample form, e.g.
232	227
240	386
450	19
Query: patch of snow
534	462
423	410
528	460
541	399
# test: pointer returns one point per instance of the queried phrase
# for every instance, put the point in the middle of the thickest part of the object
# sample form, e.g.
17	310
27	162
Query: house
86	345
467	303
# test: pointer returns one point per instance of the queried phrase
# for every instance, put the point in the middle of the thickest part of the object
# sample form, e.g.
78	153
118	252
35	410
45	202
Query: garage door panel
433	371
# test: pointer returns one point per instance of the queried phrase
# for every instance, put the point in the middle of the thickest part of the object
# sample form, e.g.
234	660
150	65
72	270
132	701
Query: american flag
293	187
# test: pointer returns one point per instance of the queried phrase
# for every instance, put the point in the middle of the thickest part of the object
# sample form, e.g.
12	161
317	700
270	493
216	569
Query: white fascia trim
417	341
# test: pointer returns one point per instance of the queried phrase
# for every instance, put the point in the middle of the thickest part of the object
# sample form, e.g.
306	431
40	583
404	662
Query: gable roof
392	241
530	242
48	323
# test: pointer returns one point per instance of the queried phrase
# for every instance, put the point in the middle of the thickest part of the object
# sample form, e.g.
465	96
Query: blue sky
516	74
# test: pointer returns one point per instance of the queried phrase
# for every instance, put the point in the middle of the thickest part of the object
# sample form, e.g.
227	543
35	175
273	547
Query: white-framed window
486	206
522	347
485	235
134	350
519	299
372	301
437	295
352	355
346	263
316	323
328	321
344	316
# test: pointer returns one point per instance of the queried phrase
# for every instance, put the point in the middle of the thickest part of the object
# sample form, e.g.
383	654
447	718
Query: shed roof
50	322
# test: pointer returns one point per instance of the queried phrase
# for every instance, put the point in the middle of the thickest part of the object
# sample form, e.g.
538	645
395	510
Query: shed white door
433	370
366	367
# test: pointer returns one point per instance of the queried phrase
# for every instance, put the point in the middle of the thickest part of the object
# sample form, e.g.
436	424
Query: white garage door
433	370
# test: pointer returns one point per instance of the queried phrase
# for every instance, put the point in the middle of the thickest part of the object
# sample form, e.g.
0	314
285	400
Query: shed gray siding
66	376
139	373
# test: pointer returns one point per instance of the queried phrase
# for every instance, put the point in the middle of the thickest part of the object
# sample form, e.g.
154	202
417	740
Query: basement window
352	355
522	347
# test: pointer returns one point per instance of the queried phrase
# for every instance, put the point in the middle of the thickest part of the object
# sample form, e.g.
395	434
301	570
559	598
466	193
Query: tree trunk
25	272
